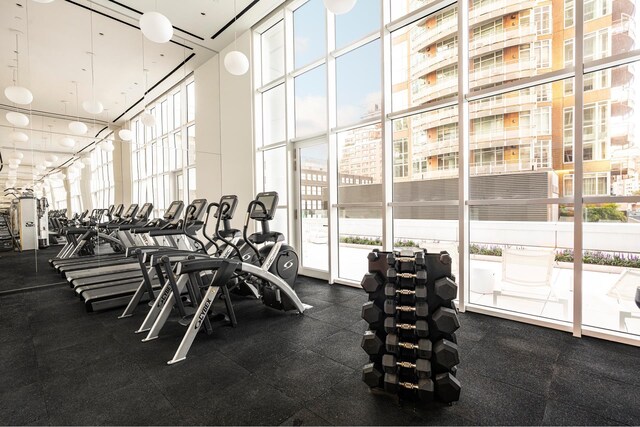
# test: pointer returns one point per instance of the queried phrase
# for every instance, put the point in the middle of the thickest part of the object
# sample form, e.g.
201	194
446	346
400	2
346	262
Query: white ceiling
54	52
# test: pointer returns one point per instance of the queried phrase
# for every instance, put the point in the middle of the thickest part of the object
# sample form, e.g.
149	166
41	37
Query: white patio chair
526	274
624	292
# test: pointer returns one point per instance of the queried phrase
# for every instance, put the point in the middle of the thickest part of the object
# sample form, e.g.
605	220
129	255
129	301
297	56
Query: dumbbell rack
412	320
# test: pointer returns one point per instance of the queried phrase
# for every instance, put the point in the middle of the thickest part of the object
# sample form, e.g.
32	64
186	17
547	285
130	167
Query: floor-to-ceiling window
539	205
163	155
102	181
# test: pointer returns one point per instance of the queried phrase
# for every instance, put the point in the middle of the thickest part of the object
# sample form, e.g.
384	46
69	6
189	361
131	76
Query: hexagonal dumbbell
444	320
419	292
420	309
421	349
445	258
424	387
372	314
445	354
391	364
378	262
446	289
372	376
419	277
420	328
371	282
447	387
372	344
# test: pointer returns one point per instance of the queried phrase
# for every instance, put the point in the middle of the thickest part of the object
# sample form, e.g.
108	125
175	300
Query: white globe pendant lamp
80	165
107	145
17	119
68	142
18	95
15	162
43	1
86	161
92	106
236	63
125	135
78	128
51	158
41	167
148	119
18	137
13	165
16	155
156	27
339	7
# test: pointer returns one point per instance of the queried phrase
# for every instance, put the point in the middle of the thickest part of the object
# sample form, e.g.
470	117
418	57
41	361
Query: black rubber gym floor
61	365
19	270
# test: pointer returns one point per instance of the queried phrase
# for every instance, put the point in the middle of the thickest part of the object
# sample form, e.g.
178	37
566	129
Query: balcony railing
624	25
504	38
499	167
428	64
422	37
437	90
435	174
498	8
500	136
501	72
502	104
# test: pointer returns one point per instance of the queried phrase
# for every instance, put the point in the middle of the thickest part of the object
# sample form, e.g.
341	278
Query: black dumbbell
422	349
371	282
372	376
446	289
371	343
447	387
417	258
445	354
422	367
421	327
372	314
420	309
419	292
445	320
377	262
419	277
424	387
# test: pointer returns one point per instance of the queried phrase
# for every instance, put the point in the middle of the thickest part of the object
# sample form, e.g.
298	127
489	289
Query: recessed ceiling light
18	4
162	54
202	13
84	69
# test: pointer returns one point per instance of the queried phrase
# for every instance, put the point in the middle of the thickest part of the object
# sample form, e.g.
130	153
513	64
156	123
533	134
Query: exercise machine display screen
230	200
174	210
131	210
270	202
145	211
200	206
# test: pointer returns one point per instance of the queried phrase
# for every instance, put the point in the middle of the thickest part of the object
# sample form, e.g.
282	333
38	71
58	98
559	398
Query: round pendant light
17	119
43	1
125	134
41	167
18	137
78	128
80	165
86	161
339	7
68	142
92	106
15	161
15	155
13	165
148	120
107	145
236	63
156	27
18	95
51	158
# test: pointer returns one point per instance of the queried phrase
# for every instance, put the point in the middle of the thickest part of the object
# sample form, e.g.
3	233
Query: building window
594	184
400	158
542	19
569	13
568	62
595	9
567	135
542	52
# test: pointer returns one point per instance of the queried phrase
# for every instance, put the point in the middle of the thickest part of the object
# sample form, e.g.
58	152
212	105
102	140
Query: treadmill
102	295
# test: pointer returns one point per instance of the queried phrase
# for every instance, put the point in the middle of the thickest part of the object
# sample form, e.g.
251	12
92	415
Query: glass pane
434	228
513	40
360	231
164	116
611	266
311	101
358	83
361	21
610	27
191	144
517	262
424	60
191	102
309	32
192	185
273	115
280	221
360	165
275	177
399	8
521	144
425	156
314	205
177	110
273	53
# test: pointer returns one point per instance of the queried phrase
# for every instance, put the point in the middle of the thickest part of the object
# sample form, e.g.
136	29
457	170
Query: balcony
502	137
502	105
501	72
428	64
422	37
499	167
497	8
436	174
446	86
513	36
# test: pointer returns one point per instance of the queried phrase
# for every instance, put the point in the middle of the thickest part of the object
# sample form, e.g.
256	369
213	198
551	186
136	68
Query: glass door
313	208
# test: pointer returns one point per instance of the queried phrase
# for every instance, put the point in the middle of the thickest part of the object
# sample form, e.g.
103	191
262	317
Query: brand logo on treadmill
287	265
163	298
203	313
246	257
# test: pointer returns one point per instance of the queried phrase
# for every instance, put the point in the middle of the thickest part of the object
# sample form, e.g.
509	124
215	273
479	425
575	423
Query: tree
606	212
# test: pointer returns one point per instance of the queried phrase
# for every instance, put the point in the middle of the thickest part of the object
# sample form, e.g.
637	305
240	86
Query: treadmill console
133	208
145	212
266	209
118	210
230	200
174	210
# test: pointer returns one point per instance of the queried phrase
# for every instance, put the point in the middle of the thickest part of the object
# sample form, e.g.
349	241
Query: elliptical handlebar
246	227
206	222
225	207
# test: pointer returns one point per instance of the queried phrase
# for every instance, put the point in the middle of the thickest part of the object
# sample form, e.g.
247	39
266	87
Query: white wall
224	130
